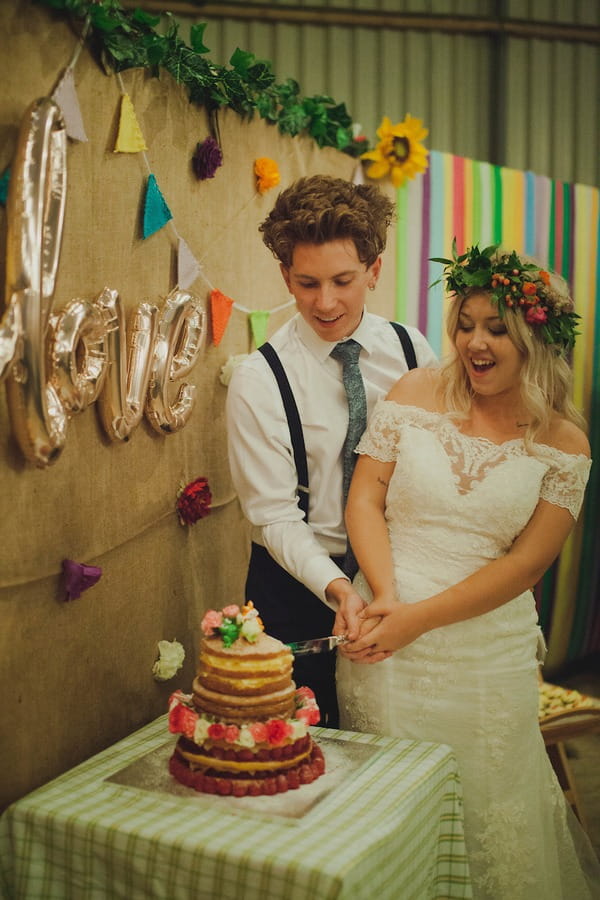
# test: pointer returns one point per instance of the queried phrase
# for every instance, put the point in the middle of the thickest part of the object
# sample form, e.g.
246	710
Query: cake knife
318	645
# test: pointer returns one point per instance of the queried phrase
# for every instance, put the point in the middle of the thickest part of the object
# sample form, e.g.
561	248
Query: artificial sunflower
399	151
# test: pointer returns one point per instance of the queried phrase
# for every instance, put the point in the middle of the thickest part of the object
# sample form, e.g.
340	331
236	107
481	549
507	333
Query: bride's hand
362	649
396	625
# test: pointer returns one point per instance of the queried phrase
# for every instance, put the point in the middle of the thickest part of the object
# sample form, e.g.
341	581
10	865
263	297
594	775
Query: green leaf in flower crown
197	38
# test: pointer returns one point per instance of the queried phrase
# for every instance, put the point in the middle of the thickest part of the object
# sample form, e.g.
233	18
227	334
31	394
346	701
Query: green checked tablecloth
384	822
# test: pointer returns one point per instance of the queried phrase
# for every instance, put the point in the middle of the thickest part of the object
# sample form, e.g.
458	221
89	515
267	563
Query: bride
469	481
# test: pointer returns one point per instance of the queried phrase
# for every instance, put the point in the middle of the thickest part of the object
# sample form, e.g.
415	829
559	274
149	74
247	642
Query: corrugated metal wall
524	102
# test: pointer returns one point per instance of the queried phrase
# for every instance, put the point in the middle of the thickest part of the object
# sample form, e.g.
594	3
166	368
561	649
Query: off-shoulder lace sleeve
564	482
382	436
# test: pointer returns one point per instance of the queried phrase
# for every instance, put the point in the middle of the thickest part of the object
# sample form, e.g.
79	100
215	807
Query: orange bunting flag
220	311
259	319
130	138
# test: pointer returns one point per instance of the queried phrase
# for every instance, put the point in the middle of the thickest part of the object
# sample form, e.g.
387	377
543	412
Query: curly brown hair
320	208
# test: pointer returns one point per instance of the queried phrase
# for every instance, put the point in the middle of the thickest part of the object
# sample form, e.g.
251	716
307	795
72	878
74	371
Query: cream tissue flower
170	659
228	367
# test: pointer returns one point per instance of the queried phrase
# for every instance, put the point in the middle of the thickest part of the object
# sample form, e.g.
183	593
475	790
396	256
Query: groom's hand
349	605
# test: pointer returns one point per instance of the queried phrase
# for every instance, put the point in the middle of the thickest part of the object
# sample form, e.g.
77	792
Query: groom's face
329	284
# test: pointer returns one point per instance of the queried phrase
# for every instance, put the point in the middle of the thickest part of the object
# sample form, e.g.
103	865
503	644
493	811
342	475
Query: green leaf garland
126	39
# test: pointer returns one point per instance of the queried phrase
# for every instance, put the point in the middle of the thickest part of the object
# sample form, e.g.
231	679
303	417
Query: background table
395	830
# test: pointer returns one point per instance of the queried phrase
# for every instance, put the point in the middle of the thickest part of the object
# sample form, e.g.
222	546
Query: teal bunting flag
156	211
4	179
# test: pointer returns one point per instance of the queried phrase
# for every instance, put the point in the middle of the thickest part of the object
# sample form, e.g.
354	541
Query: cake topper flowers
231	622
515	284
399	152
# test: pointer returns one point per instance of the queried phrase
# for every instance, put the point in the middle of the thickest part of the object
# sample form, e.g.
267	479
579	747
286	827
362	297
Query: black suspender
293	416
407	344
294	423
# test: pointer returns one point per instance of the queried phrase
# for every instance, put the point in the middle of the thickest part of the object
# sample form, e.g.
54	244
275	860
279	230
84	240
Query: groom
296	407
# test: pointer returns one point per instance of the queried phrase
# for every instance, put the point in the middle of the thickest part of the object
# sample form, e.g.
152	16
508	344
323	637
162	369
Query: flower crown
516	285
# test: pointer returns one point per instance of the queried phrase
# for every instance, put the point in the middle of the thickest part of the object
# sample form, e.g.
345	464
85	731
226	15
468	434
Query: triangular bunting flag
130	138
259	319
359	174
220	311
4	179
156	211
188	267
66	97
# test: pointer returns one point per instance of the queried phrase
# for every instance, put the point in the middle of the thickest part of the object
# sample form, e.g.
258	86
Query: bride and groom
469	478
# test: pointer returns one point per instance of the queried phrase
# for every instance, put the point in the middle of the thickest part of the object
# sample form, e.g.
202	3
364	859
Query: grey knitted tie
348	352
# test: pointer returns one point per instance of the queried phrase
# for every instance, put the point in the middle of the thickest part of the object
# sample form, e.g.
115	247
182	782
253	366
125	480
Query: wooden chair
564	715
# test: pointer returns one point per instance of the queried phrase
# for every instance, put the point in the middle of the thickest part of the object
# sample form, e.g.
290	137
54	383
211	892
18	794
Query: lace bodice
560	478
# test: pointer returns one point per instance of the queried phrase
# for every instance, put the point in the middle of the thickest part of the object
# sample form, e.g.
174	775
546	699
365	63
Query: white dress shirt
260	448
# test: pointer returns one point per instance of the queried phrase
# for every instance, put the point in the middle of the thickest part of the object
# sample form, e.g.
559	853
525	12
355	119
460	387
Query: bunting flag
220	311
66	97
4	180
188	267
156	211
129	138
559	224
259	320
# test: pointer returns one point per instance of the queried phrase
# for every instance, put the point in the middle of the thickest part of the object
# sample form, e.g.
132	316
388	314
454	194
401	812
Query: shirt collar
321	349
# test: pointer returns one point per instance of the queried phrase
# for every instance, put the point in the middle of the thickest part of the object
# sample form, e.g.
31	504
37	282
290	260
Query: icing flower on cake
185	719
231	623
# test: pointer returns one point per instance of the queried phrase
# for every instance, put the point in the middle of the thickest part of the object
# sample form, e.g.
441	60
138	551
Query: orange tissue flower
267	173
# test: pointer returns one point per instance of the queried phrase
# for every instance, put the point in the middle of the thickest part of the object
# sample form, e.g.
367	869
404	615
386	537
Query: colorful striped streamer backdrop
559	224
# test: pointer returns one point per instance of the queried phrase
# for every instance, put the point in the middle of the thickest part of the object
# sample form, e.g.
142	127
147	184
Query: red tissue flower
193	501
207	159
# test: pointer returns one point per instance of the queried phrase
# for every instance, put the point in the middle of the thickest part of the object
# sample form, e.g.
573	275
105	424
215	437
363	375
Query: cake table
385	822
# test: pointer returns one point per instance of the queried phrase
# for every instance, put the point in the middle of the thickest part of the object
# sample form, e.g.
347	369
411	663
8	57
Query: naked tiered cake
244	727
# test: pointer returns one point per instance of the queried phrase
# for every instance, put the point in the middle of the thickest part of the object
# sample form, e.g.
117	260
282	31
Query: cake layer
256	686
231	763
240	708
241	785
262	649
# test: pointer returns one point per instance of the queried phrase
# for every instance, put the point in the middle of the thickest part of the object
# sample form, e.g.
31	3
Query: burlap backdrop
77	676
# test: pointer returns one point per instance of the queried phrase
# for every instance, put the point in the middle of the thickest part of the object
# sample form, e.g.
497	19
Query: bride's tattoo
381	481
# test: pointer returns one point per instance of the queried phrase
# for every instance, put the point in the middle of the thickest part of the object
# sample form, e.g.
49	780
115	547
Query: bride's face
491	360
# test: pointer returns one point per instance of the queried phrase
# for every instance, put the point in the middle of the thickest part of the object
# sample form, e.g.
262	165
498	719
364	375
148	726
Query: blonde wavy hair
546	376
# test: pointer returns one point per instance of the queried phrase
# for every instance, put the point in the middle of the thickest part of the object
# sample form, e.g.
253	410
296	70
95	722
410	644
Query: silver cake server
318	645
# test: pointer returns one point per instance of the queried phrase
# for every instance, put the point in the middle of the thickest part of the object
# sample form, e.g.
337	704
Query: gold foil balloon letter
35	216
180	332
121	403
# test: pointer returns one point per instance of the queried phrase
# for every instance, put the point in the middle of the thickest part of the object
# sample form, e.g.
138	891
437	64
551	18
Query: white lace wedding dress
454	503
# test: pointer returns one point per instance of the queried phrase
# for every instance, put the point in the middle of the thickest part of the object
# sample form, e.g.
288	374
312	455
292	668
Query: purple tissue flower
79	577
207	158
